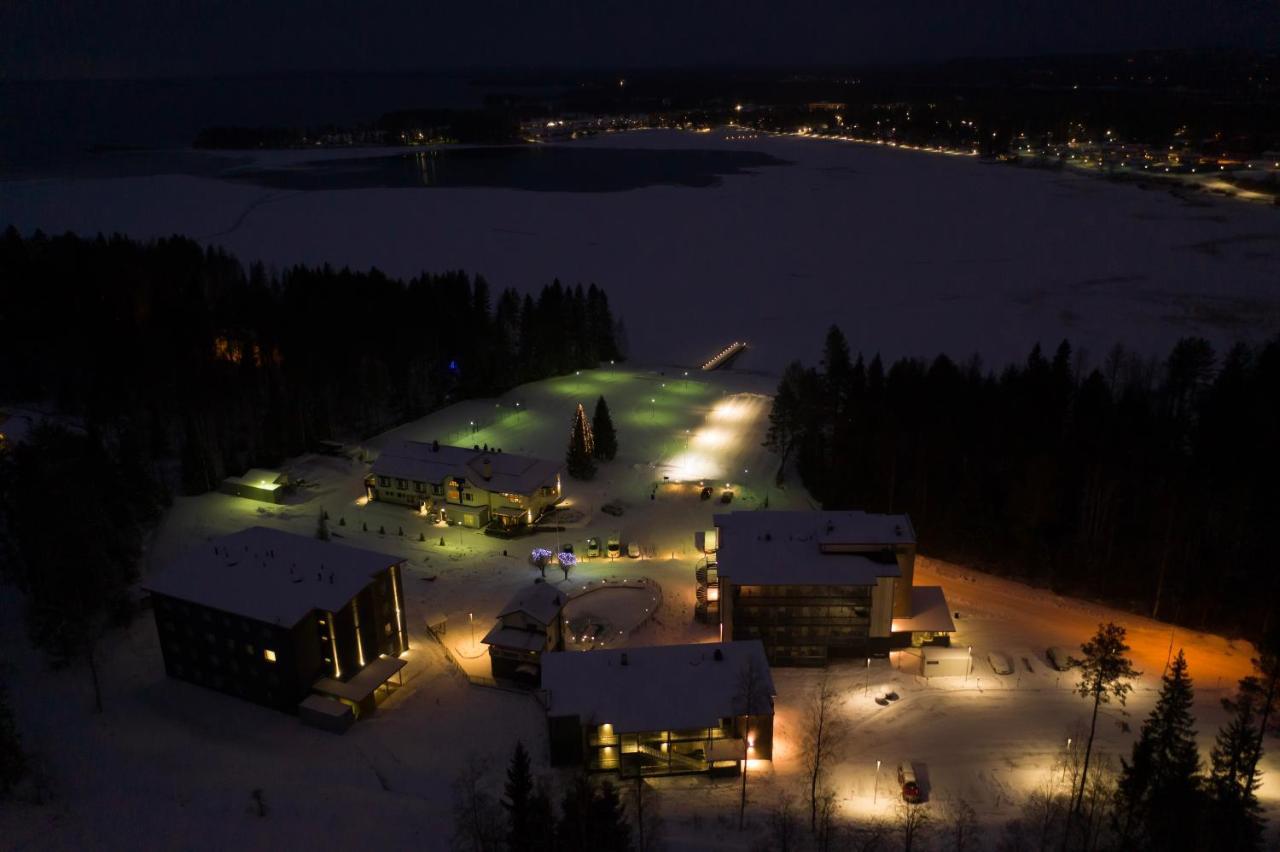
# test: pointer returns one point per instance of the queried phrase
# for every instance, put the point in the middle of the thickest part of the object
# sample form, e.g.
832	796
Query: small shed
269	486
937	661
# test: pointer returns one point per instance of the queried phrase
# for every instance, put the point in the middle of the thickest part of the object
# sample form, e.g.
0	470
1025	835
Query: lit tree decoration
582	444
539	558
566	559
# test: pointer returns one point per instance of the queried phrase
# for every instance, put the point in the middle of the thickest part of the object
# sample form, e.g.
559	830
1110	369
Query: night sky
150	38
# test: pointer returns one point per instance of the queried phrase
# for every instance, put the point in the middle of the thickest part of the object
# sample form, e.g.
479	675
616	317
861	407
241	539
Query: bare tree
475	822
1105	672
752	700
647	808
912	823
783	827
961	825
824	733
828	834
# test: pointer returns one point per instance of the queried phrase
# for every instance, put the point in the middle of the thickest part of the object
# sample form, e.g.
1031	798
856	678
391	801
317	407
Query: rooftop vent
435	446
718	656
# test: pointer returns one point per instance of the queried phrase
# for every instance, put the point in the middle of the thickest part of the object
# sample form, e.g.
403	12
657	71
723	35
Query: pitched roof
270	575
421	461
810	548
542	601
659	687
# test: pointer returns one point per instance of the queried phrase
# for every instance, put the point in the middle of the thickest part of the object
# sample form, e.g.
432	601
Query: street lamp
876	794
471	617
866	683
652	402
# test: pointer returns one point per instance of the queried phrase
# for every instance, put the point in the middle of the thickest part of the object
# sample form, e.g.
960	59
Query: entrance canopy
360	687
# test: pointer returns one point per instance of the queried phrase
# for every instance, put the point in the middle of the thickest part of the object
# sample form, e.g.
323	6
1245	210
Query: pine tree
579	459
1159	791
606	439
1105	672
1236	818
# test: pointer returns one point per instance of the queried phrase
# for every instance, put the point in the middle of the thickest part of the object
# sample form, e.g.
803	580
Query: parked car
726	497
705	494
907	780
593	547
1059	658
612	508
633	550
613	548
1000	663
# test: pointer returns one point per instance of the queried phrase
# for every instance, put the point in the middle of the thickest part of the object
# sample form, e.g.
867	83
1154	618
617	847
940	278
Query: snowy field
170	765
911	253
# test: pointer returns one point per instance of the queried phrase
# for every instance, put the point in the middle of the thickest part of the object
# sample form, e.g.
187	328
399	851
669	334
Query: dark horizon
146	39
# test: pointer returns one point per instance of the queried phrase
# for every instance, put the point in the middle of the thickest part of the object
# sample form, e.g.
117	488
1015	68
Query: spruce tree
608	817
1159	791
579	459
602	430
1236	818
518	793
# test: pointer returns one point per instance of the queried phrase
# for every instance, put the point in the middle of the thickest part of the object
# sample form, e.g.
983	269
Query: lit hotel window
269	654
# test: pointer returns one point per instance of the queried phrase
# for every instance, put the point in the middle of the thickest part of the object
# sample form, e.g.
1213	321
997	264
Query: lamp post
471	617
652	402
968	665
866	681
876	794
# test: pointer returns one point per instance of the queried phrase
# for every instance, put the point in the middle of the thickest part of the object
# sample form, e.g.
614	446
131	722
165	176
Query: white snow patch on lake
910	253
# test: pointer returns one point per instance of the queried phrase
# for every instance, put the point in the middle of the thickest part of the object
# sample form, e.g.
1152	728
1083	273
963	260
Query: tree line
195	358
1148	482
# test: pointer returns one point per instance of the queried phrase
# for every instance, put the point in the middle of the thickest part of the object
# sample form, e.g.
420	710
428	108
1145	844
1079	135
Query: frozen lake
910	253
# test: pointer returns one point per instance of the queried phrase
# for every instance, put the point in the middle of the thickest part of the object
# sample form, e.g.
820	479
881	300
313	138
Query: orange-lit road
1039	615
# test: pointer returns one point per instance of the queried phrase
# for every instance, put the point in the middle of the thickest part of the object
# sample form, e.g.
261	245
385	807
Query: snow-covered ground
170	765
912	253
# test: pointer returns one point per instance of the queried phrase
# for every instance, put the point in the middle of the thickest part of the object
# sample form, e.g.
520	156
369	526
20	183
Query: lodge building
481	488
530	625
816	585
660	710
283	620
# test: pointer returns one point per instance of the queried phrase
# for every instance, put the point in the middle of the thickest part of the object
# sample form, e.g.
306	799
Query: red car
910	789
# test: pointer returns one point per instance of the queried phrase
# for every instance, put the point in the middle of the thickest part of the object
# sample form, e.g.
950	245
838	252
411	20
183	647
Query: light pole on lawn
866	682
471	617
968	664
876	794
652	402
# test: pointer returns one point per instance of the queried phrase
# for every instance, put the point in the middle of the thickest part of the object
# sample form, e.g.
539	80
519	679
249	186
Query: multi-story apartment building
815	585
475	487
274	618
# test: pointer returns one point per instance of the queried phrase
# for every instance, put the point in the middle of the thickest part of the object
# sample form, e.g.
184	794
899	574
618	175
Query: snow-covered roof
511	637
541	601
269	575
831	529
810	548
259	477
425	462
929	612
658	687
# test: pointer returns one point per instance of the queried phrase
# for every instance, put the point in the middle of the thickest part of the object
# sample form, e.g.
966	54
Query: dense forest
181	352
1146	482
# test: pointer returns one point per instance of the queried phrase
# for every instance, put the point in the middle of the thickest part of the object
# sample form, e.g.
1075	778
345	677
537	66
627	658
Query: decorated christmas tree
579	459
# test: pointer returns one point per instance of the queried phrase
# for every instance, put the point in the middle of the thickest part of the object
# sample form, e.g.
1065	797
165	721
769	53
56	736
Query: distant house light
269	655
